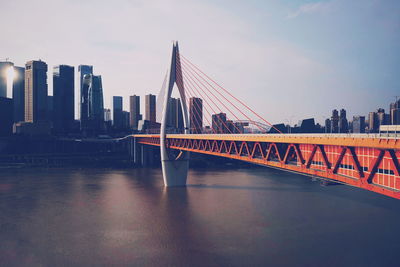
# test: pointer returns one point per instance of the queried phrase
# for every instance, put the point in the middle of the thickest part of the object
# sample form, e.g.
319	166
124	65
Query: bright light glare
10	75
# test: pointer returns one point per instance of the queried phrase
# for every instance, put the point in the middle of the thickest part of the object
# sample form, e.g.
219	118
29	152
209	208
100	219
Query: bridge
367	161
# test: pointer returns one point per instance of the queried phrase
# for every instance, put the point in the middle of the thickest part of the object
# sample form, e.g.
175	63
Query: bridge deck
384	141
362	160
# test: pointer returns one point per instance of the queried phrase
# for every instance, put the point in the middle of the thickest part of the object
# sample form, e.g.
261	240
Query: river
225	217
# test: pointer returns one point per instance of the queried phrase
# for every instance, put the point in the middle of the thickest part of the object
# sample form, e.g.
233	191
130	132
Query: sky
288	59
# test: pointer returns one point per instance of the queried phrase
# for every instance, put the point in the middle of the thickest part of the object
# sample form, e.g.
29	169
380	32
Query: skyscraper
118	119
358	124
343	123
171	116
96	104
6	116
327	125
4	76
125	120
218	122
335	121
107	114
134	114
63	91
35	91
383	118
373	123
196	114
395	113
84	94
150	108
18	94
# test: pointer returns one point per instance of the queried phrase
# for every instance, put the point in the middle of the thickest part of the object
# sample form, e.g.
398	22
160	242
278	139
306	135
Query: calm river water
225	217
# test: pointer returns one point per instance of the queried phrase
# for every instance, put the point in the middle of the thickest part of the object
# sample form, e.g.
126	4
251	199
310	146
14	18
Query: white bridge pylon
174	168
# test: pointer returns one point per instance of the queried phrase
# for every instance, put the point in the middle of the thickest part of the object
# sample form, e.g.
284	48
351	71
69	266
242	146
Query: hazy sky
288	59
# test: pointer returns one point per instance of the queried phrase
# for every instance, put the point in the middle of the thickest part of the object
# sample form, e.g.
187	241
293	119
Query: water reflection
257	217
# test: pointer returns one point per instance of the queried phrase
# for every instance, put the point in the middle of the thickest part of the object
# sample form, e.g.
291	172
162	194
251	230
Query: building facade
395	113
218	123
196	115
6	116
358	124
150	108
84	94
343	123
134	111
118	119
4	77
18	94
63	101
96	104
335	121
36	91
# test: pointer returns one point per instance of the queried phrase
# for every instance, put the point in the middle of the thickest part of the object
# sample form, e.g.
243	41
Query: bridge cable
194	66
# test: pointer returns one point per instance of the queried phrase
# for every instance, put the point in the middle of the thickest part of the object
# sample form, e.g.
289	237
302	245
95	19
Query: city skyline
309	58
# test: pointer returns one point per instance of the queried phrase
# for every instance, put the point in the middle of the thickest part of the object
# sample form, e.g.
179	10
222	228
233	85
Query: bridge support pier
175	172
136	152
147	155
142	155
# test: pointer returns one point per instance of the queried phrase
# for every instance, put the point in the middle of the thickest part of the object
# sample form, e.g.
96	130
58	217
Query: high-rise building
84	94
36	91
118	119
383	118
196	115
6	116
96	104
328	125
134	114
358	124
343	123
63	91
395	113
172	110
218	123
175	117
107	114
18	94
125	120
4	77
335	121
150	108
373	122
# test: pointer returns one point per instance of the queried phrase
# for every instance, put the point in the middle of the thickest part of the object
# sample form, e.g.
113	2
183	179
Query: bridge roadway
368	161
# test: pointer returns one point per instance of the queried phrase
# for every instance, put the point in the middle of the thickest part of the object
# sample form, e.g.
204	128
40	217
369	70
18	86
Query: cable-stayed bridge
215	122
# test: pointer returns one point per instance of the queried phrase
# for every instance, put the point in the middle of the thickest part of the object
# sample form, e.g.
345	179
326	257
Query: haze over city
300	58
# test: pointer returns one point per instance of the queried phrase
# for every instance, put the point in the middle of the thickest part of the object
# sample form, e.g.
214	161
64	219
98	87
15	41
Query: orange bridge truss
370	162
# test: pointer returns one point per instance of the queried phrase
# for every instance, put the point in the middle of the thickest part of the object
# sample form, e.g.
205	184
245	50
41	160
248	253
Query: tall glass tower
63	91
96	104
18	94
84	94
36	91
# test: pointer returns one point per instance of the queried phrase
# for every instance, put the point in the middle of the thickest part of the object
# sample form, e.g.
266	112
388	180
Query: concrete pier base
175	172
